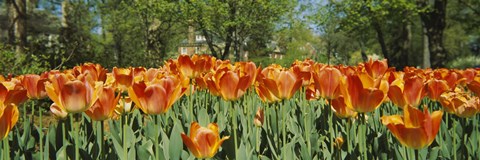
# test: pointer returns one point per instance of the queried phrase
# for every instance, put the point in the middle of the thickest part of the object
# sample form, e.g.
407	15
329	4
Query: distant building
194	44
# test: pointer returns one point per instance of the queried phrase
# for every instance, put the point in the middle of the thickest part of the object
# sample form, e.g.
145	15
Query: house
194	44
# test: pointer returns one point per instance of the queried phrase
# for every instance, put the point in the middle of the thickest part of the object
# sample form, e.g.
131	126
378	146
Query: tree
233	22
434	22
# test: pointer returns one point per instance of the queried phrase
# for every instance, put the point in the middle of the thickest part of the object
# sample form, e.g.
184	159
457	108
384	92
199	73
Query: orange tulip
259	117
435	88
58	112
327	81
365	93
158	96
415	129
8	119
468	75
123	106
192	67
408	92
474	85
229	84
35	85
186	66
460	103
275	83
303	69
11	92
104	107
71	94
123	78
340	108
96	71
203	142
376	68
247	68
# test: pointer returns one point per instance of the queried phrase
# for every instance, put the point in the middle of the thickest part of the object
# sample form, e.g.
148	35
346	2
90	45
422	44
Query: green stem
234	121
75	138
454	136
475	126
404	153
41	131
124	136
330	127
157	143
6	148
190	103
348	135
102	145
416	154
257	142
364	130
284	130
307	126
64	135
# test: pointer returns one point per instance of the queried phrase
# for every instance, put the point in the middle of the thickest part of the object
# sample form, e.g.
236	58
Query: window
184	50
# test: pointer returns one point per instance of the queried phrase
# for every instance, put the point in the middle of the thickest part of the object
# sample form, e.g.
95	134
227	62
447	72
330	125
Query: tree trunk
11	21
20	27
434	22
426	52
400	46
381	40
230	30
209	41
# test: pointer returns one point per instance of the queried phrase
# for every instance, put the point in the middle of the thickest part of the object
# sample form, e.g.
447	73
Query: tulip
158	96
338	143
259	117
124	106
474	85
408	92
192	67
435	88
415	129
35	85
11	92
340	108
123	77
96	71
327	81
276	83
8	119
247	68
58	112
104	107
203	142
303	69
365	93
71	94
229	84
376	68
460	103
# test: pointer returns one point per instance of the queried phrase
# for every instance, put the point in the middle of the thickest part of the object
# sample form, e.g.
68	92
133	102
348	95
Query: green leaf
61	153
176	145
145	150
203	117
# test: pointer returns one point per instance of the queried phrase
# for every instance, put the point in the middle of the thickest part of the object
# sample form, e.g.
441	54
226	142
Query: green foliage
19	64
465	62
293	129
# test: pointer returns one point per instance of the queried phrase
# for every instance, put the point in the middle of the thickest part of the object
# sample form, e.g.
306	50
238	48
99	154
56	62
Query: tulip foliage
202	107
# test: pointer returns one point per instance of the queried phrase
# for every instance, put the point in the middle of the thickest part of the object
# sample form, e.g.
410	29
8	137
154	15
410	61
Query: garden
206	108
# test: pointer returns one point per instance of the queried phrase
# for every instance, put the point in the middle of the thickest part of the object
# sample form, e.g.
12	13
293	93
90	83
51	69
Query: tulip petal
191	146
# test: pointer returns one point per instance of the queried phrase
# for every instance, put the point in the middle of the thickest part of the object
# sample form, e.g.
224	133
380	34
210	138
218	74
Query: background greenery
54	34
